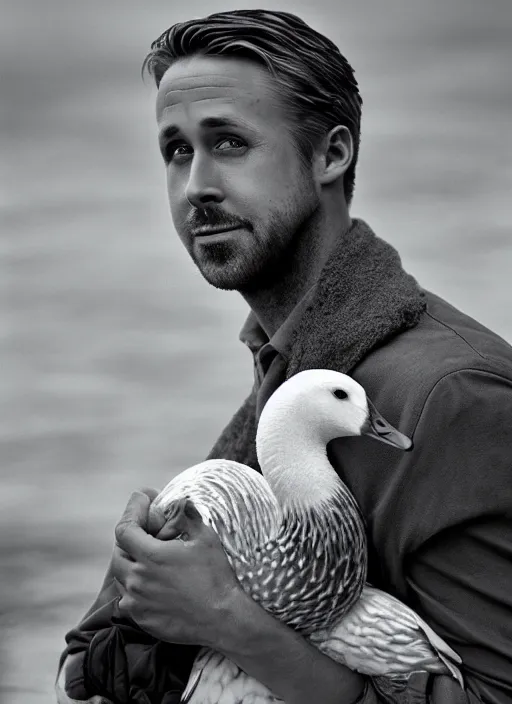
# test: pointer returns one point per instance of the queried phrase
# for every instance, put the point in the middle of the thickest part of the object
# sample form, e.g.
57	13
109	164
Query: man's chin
224	281
224	267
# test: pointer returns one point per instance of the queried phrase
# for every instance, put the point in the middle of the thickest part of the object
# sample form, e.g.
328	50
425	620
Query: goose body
296	540
381	636
279	554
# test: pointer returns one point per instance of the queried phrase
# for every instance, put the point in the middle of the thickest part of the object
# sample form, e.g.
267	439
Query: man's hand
177	586
180	588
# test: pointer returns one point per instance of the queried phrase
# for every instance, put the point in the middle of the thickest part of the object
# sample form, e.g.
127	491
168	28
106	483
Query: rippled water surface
119	364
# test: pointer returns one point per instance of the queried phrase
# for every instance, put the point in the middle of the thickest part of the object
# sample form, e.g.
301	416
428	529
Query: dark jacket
439	519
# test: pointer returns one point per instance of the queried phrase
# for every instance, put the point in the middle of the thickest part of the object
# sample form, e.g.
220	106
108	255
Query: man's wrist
235	615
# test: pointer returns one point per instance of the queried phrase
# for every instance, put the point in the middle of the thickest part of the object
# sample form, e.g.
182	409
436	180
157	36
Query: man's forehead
216	79
201	90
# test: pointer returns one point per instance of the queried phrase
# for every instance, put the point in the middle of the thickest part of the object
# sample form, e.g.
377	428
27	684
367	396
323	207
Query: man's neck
273	303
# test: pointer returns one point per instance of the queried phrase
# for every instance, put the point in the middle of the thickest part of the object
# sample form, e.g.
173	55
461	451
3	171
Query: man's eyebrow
208	122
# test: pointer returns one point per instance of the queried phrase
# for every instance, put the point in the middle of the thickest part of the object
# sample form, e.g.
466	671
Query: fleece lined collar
362	298
254	336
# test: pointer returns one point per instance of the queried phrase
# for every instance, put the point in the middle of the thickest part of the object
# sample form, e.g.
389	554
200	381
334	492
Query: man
258	118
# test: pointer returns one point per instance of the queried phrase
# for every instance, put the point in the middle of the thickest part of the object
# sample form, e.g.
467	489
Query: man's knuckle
120	531
136	586
156	556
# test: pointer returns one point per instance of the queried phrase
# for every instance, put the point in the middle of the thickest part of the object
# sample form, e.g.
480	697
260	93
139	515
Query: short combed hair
315	81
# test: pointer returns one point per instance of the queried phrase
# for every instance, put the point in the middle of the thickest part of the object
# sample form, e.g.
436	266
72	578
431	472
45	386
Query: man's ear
335	156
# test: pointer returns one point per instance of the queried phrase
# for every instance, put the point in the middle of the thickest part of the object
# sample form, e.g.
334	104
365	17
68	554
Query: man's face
237	189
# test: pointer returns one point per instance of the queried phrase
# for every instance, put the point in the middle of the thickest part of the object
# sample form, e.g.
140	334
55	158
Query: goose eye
339	393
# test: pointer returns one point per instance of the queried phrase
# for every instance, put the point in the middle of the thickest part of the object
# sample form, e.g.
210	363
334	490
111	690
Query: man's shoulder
446	341
463	339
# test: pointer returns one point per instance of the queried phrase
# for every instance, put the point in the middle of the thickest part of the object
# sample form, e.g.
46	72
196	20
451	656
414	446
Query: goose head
328	405
297	423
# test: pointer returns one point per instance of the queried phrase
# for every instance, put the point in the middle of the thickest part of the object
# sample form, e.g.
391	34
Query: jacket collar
362	298
254	336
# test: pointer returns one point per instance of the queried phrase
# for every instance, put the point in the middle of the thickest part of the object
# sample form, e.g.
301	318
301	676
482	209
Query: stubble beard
231	266
235	266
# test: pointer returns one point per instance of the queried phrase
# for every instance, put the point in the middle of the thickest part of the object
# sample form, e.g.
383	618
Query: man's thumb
183	521
135	516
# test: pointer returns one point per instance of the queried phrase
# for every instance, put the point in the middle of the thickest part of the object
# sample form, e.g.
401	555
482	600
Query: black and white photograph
256	352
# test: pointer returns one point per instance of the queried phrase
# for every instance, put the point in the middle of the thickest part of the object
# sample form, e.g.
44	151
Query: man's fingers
130	532
121	565
149	491
137	508
156	519
183	521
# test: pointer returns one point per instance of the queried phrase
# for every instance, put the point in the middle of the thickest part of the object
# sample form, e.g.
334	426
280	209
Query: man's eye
173	151
180	151
231	143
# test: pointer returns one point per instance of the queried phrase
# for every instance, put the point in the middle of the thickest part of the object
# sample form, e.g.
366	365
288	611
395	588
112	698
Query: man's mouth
212	230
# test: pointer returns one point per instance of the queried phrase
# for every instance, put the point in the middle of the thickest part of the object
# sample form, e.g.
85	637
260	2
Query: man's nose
203	184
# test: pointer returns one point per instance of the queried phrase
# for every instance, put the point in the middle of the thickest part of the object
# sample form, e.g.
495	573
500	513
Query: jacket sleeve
109	658
418	688
454	509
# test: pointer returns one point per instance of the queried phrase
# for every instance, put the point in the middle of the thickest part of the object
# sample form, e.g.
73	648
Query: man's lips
207	230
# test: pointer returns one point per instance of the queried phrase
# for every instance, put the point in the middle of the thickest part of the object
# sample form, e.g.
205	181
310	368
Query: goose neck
293	459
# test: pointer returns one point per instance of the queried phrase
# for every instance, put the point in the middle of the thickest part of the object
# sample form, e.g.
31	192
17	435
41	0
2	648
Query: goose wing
231	497
216	680
382	636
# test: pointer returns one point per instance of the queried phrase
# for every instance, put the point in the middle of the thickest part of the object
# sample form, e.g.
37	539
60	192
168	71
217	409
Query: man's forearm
283	660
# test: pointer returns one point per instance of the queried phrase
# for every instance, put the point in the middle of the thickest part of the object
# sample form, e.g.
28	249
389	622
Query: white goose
296	541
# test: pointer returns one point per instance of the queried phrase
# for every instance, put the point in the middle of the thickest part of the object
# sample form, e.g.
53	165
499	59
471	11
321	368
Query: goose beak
379	429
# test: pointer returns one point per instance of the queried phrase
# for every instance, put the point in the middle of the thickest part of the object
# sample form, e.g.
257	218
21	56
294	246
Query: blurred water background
119	364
